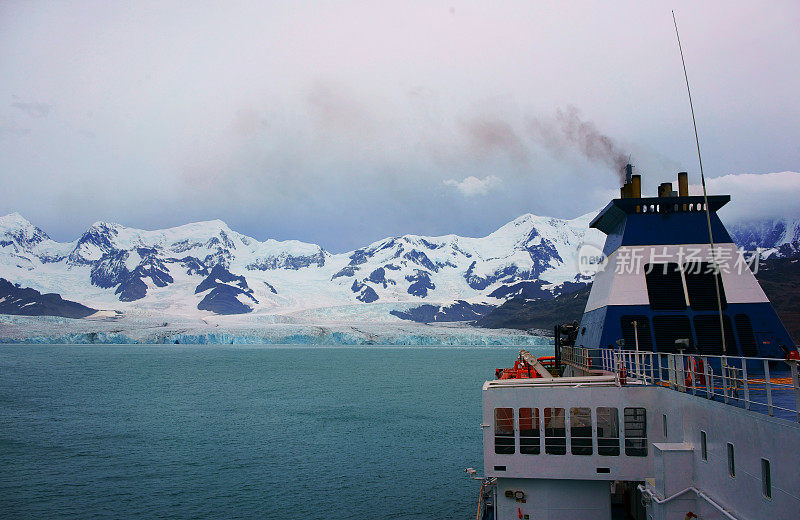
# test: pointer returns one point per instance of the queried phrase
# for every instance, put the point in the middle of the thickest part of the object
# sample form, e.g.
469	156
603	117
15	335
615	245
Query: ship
676	396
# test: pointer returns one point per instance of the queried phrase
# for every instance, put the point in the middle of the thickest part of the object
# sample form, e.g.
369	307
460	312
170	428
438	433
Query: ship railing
765	385
587	359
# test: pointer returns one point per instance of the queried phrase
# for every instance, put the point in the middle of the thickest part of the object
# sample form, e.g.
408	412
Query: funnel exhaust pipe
683	184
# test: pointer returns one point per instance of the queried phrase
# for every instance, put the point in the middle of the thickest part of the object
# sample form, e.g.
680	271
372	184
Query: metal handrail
761	384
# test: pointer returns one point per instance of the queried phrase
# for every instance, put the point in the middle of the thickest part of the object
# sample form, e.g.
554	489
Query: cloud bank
340	123
756	196
472	186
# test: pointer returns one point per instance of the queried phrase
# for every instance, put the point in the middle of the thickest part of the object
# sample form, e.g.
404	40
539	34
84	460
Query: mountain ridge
111	266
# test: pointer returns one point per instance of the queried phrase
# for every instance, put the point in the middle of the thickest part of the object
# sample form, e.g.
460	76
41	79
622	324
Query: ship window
607	431
529	431
701	288
640	333
636	432
766	479
665	287
669	329
664	425
731	461
703	446
504	431
746	338
580	430
709	339
555	438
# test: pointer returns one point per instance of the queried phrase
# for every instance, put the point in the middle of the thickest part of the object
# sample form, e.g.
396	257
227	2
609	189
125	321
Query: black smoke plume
567	131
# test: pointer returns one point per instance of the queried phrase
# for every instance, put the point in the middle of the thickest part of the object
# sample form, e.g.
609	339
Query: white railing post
725	379
796	388
638	366
768	386
670	383
746	384
680	361
709	376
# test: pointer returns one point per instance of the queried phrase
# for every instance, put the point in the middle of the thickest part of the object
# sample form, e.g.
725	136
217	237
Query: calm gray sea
241	432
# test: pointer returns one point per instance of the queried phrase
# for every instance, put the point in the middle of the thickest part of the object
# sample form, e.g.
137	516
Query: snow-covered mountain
206	267
781	235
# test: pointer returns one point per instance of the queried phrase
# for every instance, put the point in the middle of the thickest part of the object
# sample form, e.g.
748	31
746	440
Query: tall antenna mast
705	194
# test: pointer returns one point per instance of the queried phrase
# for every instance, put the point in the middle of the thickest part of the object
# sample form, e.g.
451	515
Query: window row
669	208
550	424
672	287
670	331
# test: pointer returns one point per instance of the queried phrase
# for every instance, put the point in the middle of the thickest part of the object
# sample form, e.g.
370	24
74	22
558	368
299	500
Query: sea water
242	432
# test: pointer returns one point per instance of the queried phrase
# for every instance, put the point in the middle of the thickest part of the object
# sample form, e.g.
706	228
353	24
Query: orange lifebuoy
696	367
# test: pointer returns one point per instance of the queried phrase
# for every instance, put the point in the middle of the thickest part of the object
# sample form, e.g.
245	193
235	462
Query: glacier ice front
27	329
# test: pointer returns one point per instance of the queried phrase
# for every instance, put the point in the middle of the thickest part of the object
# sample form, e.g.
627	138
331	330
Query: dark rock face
155	269
357	286
220	275
423	314
458	311
474	281
288	262
430	245
520	313
421	283
368	295
111	271
508	273
132	289
271	288
420	258
542	254
29	302
358	257
347	270
191	264
225	289
569	287
222	299
529	290
379	276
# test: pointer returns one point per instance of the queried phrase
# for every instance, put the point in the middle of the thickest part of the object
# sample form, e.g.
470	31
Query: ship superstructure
646	412
659	287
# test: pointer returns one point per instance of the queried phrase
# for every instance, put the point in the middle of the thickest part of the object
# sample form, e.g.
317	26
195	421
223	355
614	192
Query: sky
340	123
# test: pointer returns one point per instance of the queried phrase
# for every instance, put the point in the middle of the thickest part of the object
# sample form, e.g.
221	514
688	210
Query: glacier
52	330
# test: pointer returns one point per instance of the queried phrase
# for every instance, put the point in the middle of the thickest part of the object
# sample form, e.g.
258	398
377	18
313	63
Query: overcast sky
340	123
